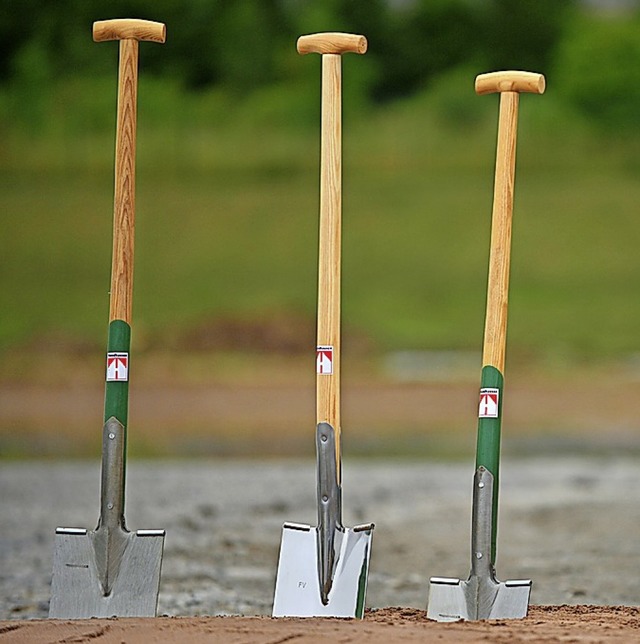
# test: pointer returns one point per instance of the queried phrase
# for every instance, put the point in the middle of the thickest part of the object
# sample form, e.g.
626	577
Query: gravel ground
570	524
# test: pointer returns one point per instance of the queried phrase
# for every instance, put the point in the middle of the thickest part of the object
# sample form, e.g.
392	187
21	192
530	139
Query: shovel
482	596
323	570
111	571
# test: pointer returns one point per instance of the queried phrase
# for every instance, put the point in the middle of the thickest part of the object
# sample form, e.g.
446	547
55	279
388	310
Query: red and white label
324	361
488	408
117	367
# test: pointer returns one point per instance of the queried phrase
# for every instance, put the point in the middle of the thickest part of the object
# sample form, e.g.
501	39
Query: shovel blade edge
452	600
297	591
76	591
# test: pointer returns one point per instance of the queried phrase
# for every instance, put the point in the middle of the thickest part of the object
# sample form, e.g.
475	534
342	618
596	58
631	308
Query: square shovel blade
481	596
451	600
297	592
76	589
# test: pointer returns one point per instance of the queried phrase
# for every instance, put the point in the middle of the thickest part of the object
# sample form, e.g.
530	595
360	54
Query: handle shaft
116	400
495	330
331	46
329	260
125	178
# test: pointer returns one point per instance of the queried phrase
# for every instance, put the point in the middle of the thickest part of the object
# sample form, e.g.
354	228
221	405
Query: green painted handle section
116	398
488	447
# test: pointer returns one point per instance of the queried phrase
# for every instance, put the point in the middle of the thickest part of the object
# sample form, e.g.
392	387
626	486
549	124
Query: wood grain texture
120	303
331	46
124	28
495	329
129	32
329	260
332	43
510	81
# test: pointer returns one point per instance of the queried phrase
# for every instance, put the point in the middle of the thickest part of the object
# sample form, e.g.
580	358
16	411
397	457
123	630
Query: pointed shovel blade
298	592
76	588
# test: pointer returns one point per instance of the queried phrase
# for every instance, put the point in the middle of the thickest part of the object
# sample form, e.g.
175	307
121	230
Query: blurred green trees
598	71
243	44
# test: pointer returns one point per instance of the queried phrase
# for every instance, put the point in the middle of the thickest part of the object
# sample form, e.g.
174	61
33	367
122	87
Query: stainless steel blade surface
452	600
298	592
76	587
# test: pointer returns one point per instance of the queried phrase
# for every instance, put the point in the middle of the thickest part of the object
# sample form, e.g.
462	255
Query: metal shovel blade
323	571
451	600
481	596
298	592
107	571
77	590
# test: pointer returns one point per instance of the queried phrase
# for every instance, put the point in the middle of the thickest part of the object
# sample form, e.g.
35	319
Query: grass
227	221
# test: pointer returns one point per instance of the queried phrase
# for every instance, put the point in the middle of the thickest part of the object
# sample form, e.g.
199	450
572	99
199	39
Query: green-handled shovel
323	570
482	596
111	571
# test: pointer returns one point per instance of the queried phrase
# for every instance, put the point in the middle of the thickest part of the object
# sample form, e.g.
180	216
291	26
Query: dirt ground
577	624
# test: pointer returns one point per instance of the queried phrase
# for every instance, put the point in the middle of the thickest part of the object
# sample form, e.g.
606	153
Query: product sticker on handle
117	367
489	397
324	360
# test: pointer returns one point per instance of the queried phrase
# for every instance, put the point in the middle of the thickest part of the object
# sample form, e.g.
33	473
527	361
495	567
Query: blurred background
227	214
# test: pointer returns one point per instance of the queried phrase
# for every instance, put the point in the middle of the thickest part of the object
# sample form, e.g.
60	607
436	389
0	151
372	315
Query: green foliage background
228	172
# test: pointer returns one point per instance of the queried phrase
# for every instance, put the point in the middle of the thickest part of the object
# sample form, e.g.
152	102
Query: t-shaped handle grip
332	43
125	29
510	81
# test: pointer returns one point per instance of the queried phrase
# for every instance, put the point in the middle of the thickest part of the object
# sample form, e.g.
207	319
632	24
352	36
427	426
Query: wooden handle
510	81
332	43
124	199
129	32
495	330
329	256
124	29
